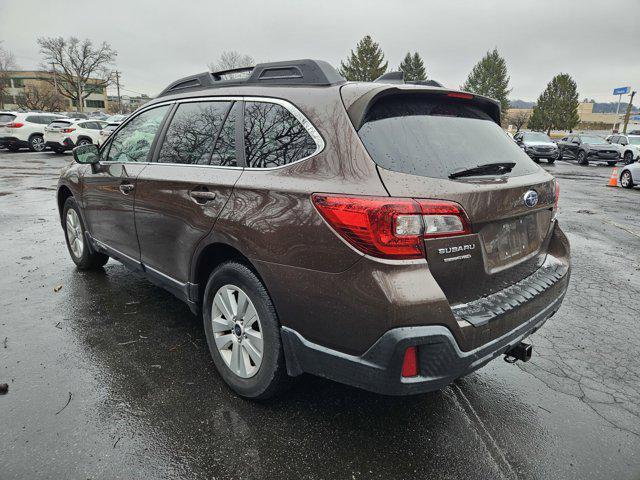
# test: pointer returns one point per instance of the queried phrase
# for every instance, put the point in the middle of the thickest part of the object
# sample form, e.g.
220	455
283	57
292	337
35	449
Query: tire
267	376
83	141
628	158
535	159
582	158
551	161
611	164
36	143
626	180
74	234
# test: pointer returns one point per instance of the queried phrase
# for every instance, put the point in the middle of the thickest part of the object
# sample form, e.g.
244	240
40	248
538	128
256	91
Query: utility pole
117	74
626	115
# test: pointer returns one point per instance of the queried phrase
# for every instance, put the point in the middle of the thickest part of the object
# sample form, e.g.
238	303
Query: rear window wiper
498	168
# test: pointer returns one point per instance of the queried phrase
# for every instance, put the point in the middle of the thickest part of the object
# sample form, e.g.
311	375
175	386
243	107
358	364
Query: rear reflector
410	362
388	227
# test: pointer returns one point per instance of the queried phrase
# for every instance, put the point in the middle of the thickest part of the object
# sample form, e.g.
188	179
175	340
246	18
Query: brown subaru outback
386	235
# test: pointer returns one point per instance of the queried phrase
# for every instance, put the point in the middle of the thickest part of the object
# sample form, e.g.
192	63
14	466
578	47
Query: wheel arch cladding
214	255
64	192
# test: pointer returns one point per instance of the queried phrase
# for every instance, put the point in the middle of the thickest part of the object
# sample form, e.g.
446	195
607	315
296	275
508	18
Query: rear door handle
126	188
202	196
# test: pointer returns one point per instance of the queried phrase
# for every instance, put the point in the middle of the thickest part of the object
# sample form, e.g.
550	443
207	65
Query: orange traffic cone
613	180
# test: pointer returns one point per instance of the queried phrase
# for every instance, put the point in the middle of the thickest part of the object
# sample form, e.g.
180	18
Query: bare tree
73	62
230	60
7	63
519	119
41	97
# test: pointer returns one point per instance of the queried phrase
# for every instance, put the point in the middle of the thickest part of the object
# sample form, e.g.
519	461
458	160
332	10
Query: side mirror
86	154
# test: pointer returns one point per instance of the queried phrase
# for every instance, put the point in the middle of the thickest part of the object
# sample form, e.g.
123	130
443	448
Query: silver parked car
630	175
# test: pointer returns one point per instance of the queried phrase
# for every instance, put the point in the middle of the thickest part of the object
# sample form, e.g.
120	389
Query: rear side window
434	137
192	133
6	118
273	136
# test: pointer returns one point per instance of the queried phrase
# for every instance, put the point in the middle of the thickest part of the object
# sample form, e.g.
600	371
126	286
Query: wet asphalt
109	376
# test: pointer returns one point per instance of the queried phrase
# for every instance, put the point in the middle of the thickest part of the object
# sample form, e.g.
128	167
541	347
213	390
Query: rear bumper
65	143
379	369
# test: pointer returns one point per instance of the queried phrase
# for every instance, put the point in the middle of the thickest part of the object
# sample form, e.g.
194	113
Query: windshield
592	139
632	140
536	137
434	137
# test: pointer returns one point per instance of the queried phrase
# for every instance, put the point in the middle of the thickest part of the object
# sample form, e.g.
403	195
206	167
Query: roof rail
292	72
398	78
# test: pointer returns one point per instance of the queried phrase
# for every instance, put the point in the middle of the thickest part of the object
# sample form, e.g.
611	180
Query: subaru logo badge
530	198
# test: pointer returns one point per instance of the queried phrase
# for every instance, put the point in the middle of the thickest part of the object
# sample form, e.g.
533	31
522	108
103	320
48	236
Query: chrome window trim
306	123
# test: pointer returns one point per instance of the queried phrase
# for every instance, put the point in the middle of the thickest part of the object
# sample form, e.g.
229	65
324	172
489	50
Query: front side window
193	130
133	141
273	136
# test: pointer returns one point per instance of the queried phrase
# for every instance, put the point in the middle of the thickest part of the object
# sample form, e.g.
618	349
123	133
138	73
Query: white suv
19	130
66	133
628	145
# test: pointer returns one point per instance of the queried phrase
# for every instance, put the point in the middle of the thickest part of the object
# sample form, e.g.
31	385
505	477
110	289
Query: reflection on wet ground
146	401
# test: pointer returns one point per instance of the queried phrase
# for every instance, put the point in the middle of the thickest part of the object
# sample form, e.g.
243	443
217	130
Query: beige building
19	80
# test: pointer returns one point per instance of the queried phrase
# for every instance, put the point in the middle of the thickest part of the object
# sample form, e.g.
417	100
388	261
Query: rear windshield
59	124
6	118
433	137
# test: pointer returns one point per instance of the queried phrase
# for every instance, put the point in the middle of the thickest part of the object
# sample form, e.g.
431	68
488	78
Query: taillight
410	362
67	130
14	125
388	227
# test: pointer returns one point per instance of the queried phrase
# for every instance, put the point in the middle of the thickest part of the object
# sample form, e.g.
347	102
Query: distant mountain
521	104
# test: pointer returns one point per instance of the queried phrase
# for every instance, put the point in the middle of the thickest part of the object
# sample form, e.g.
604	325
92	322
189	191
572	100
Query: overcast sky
596	41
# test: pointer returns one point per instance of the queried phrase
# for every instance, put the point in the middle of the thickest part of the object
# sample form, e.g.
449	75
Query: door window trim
240	155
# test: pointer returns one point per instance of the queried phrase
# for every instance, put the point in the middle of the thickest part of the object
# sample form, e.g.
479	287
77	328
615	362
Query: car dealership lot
110	377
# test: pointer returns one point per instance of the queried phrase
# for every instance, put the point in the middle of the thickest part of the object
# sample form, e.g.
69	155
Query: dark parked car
585	147
321	226
537	145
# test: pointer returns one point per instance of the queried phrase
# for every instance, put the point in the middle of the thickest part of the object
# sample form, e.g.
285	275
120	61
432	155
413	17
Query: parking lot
110	376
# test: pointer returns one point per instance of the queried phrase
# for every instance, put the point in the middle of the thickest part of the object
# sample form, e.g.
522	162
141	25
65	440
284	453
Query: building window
93	89
18	82
94	103
8	100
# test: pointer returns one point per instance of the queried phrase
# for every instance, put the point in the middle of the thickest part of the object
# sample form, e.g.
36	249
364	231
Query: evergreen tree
489	77
413	67
366	63
557	106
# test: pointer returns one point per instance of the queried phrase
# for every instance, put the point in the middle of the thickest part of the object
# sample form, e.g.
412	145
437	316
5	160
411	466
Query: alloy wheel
237	331
83	142
38	144
625	180
74	233
628	157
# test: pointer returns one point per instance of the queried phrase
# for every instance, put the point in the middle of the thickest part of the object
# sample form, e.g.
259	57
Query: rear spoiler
358	110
